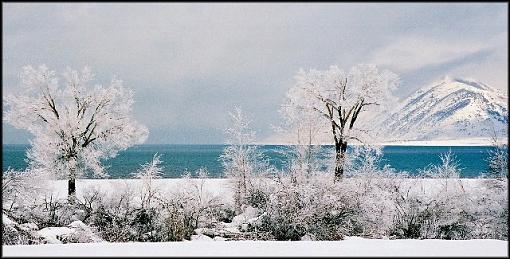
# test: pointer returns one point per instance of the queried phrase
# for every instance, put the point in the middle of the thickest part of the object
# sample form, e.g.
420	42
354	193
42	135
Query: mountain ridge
447	109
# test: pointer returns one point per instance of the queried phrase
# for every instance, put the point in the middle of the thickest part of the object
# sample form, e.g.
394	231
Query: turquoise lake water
179	158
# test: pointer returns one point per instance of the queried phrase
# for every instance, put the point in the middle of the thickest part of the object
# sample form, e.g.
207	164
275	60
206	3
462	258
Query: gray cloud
191	63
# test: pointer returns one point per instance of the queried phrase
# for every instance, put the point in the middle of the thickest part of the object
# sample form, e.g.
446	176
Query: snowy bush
330	211
283	215
439	212
241	159
420	216
115	216
489	211
16	234
317	208
149	171
20	188
498	160
190	208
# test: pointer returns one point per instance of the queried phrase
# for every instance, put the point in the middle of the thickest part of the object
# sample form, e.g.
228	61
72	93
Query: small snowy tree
74	126
365	161
303	125
340	97
448	170
240	156
498	159
149	171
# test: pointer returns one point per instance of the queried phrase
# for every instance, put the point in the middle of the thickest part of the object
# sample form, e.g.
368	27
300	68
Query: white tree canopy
75	123
339	96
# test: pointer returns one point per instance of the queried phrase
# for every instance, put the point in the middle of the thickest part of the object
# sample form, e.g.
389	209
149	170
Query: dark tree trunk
71	190
340	150
71	186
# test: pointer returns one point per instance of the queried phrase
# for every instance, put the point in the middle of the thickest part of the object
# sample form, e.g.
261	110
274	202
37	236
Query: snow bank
215	187
221	187
52	235
7	221
352	246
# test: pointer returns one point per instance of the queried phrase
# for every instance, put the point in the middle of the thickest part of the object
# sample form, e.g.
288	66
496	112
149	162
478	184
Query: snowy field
221	187
351	246
214	187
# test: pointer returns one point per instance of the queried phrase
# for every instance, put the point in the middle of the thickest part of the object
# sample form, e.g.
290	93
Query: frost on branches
340	97
240	158
498	159
303	125
149	171
74	125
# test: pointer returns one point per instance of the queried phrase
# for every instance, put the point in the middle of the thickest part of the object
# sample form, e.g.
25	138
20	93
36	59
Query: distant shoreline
446	142
442	142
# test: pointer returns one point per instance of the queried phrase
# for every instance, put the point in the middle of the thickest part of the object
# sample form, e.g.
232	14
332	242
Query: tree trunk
71	186
340	150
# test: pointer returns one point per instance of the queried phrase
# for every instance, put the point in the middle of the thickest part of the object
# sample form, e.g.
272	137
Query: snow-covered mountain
449	109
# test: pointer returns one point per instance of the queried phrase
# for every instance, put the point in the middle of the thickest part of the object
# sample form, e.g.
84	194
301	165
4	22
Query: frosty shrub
124	216
448	169
53	212
420	216
178	222
241	158
92	199
489	210
46	211
20	188
330	211
258	195
318	208
115	216
149	171
371	187
498	160
11	235
190	208
364	161
439	212
283	213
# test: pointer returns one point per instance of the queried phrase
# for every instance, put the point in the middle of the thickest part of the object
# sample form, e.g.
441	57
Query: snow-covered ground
351	246
220	187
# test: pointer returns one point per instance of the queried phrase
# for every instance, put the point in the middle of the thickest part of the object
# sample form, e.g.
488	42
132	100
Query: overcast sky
191	63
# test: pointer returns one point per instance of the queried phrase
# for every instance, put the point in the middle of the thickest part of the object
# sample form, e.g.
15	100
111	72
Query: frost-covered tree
303	125
365	161
240	157
340	98
149	171
498	159
74	125
449	171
